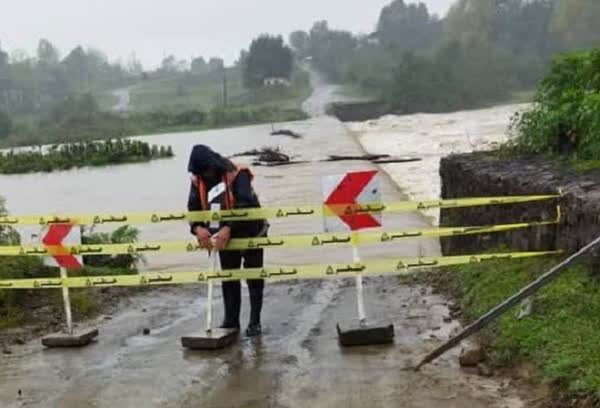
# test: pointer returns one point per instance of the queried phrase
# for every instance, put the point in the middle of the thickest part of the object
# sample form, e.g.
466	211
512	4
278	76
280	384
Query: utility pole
225	102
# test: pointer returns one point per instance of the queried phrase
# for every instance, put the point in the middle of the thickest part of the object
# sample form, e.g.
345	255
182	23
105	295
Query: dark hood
203	157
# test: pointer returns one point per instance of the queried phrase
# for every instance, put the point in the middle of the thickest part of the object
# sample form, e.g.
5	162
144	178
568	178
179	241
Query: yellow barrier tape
400	266
287	242
264	213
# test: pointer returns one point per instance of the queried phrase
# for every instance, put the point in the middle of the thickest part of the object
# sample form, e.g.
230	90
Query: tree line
480	52
33	84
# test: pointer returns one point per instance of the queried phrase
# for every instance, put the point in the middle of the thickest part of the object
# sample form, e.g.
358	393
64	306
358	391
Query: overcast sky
186	28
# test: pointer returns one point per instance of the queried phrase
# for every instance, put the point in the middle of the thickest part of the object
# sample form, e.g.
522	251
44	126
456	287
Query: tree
407	27
19	56
81	109
169	64
4	79
268	57
241	59
47	53
134	66
565	116
77	69
576	23
319	32
3	64
216	64
122	235
199	66
499	22
99	70
87	107
332	51
6	125
300	42
8	235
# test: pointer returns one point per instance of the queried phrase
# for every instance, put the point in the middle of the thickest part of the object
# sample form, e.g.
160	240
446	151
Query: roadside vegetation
15	304
560	336
565	120
481	52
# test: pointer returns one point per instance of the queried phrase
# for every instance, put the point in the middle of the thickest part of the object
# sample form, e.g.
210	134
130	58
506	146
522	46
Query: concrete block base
79	338
213	340
359	334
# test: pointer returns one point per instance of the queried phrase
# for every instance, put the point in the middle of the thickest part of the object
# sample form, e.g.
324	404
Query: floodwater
297	362
431	137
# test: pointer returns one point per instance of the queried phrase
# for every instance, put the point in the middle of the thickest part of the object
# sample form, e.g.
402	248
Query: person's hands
204	237
221	239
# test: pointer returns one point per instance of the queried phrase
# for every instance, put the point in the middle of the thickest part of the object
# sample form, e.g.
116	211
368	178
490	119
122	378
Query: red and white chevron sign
54	238
360	187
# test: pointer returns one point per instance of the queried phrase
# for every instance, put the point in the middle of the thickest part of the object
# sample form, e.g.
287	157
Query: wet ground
297	362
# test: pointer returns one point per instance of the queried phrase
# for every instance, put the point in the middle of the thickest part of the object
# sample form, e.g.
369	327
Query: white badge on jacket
213	195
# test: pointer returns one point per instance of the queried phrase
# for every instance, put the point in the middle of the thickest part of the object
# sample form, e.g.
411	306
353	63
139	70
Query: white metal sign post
345	195
347	190
57	238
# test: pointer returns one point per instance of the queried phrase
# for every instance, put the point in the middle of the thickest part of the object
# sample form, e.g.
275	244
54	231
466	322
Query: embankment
559	334
483	174
357	111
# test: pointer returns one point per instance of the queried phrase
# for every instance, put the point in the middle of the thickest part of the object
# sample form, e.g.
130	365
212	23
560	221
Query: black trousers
232	291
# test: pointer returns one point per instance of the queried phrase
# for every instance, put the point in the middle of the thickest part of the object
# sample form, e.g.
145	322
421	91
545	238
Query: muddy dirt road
297	362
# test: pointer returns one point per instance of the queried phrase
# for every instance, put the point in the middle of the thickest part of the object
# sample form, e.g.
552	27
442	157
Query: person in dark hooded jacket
218	184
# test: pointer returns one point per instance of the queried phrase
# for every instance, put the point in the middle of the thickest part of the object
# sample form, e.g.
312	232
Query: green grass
582	166
562	335
204	92
181	92
282	97
85	302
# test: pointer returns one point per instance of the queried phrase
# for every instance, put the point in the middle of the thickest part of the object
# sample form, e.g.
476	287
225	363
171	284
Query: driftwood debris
398	160
286	132
279	164
272	157
266	155
374	158
368	157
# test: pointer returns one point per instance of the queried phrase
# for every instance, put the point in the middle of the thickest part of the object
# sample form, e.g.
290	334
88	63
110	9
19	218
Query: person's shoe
228	325
254	330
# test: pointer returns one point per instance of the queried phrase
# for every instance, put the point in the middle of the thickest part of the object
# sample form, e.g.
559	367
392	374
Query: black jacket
245	196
